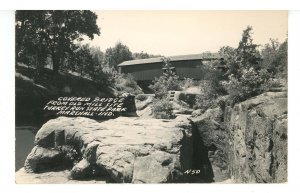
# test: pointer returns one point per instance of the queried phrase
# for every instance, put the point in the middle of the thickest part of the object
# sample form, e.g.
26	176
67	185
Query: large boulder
143	104
257	131
129	150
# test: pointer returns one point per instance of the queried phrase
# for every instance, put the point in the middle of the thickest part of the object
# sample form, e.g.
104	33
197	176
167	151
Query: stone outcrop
212	142
257	133
143	105
246	142
129	150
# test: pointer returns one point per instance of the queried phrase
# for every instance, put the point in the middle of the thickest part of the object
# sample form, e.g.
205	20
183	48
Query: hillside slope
34	91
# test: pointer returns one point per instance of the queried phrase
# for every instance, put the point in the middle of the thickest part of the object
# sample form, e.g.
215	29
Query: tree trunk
55	64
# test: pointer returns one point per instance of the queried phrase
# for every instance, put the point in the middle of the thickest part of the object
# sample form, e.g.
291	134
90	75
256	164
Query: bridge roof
172	58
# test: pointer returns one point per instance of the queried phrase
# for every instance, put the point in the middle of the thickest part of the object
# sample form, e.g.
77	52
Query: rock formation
257	131
213	136
129	150
247	142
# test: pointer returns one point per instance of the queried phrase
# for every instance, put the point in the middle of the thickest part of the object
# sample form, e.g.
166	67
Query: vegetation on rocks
162	109
250	72
49	42
169	81
228	132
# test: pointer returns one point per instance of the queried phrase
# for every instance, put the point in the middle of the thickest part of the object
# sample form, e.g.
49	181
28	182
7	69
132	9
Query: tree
229	55
30	47
85	62
141	55
245	77
52	32
167	82
116	55
245	56
247	52
97	54
81	61
144	55
274	57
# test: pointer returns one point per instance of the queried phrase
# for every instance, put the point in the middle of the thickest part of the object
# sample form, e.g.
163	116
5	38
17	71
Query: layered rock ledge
127	150
246	142
257	137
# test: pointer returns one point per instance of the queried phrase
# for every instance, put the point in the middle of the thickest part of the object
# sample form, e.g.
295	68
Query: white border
7	92
153	4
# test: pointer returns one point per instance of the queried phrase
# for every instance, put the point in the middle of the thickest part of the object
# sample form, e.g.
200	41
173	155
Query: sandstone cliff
257	131
247	142
129	150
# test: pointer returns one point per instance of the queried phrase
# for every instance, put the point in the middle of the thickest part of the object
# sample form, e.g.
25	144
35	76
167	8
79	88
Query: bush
164	84
187	83
162	109
190	99
122	83
203	102
249	85
125	83
167	82
209	94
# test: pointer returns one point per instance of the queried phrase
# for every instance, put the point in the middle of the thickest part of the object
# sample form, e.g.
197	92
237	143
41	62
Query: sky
171	33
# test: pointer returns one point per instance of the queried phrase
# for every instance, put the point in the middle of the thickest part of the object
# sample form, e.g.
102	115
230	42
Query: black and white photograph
151	96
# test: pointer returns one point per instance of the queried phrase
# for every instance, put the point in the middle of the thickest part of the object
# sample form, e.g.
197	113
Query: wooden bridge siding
144	71
189	69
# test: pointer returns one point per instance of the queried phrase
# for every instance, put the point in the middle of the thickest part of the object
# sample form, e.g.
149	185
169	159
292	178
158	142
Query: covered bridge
185	66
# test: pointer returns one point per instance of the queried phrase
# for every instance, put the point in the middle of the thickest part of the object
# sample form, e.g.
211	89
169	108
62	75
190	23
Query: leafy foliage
167	82
244	70
97	54
52	32
125	83
189	99
274	57
83	61
243	57
187	83
247	53
246	86
122	83
119	53
143	55
208	96
162	109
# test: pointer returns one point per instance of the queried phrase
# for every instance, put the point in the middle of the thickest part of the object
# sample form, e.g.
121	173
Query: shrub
249	85
162	109
122	83
203	102
167	82
207	98
190	99
164	84
125	83
187	83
